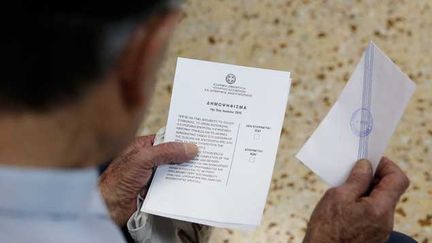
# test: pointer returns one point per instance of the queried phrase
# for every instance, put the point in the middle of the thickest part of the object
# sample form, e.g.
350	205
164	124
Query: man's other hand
129	174
360	210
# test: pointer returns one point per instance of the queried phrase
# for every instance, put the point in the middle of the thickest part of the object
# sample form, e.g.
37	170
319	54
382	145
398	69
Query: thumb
172	152
360	179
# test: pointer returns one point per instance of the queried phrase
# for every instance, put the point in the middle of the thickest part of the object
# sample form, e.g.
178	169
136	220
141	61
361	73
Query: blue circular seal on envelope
361	122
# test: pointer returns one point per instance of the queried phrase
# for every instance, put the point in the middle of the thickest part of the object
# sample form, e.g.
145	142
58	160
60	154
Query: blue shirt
53	206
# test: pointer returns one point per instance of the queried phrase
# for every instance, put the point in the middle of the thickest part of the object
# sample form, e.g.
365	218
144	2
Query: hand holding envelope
362	208
359	207
362	120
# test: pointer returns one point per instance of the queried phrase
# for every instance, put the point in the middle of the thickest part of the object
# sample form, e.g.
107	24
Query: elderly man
76	80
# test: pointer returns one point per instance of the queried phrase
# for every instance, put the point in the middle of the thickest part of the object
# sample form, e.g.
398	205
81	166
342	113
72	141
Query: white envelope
362	120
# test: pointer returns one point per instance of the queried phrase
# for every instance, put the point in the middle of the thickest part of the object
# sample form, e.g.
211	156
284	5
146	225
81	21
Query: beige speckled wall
320	42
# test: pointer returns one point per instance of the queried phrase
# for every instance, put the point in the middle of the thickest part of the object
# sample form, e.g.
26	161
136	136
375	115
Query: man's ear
141	57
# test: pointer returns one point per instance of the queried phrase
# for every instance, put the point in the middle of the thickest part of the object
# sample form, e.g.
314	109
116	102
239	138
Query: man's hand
362	209
130	173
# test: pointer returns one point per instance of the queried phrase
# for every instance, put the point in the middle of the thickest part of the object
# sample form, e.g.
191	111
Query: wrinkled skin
362	209
130	173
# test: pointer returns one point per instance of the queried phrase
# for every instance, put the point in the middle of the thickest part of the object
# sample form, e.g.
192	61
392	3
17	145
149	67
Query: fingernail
364	166
191	149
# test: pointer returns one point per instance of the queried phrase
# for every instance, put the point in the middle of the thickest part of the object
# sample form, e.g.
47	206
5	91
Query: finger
391	185
171	152
359	180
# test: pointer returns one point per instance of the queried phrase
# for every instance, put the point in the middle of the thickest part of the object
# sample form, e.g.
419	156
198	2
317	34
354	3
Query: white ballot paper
235	115
362	120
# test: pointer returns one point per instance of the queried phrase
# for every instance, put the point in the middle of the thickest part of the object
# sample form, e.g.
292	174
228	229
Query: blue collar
50	191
